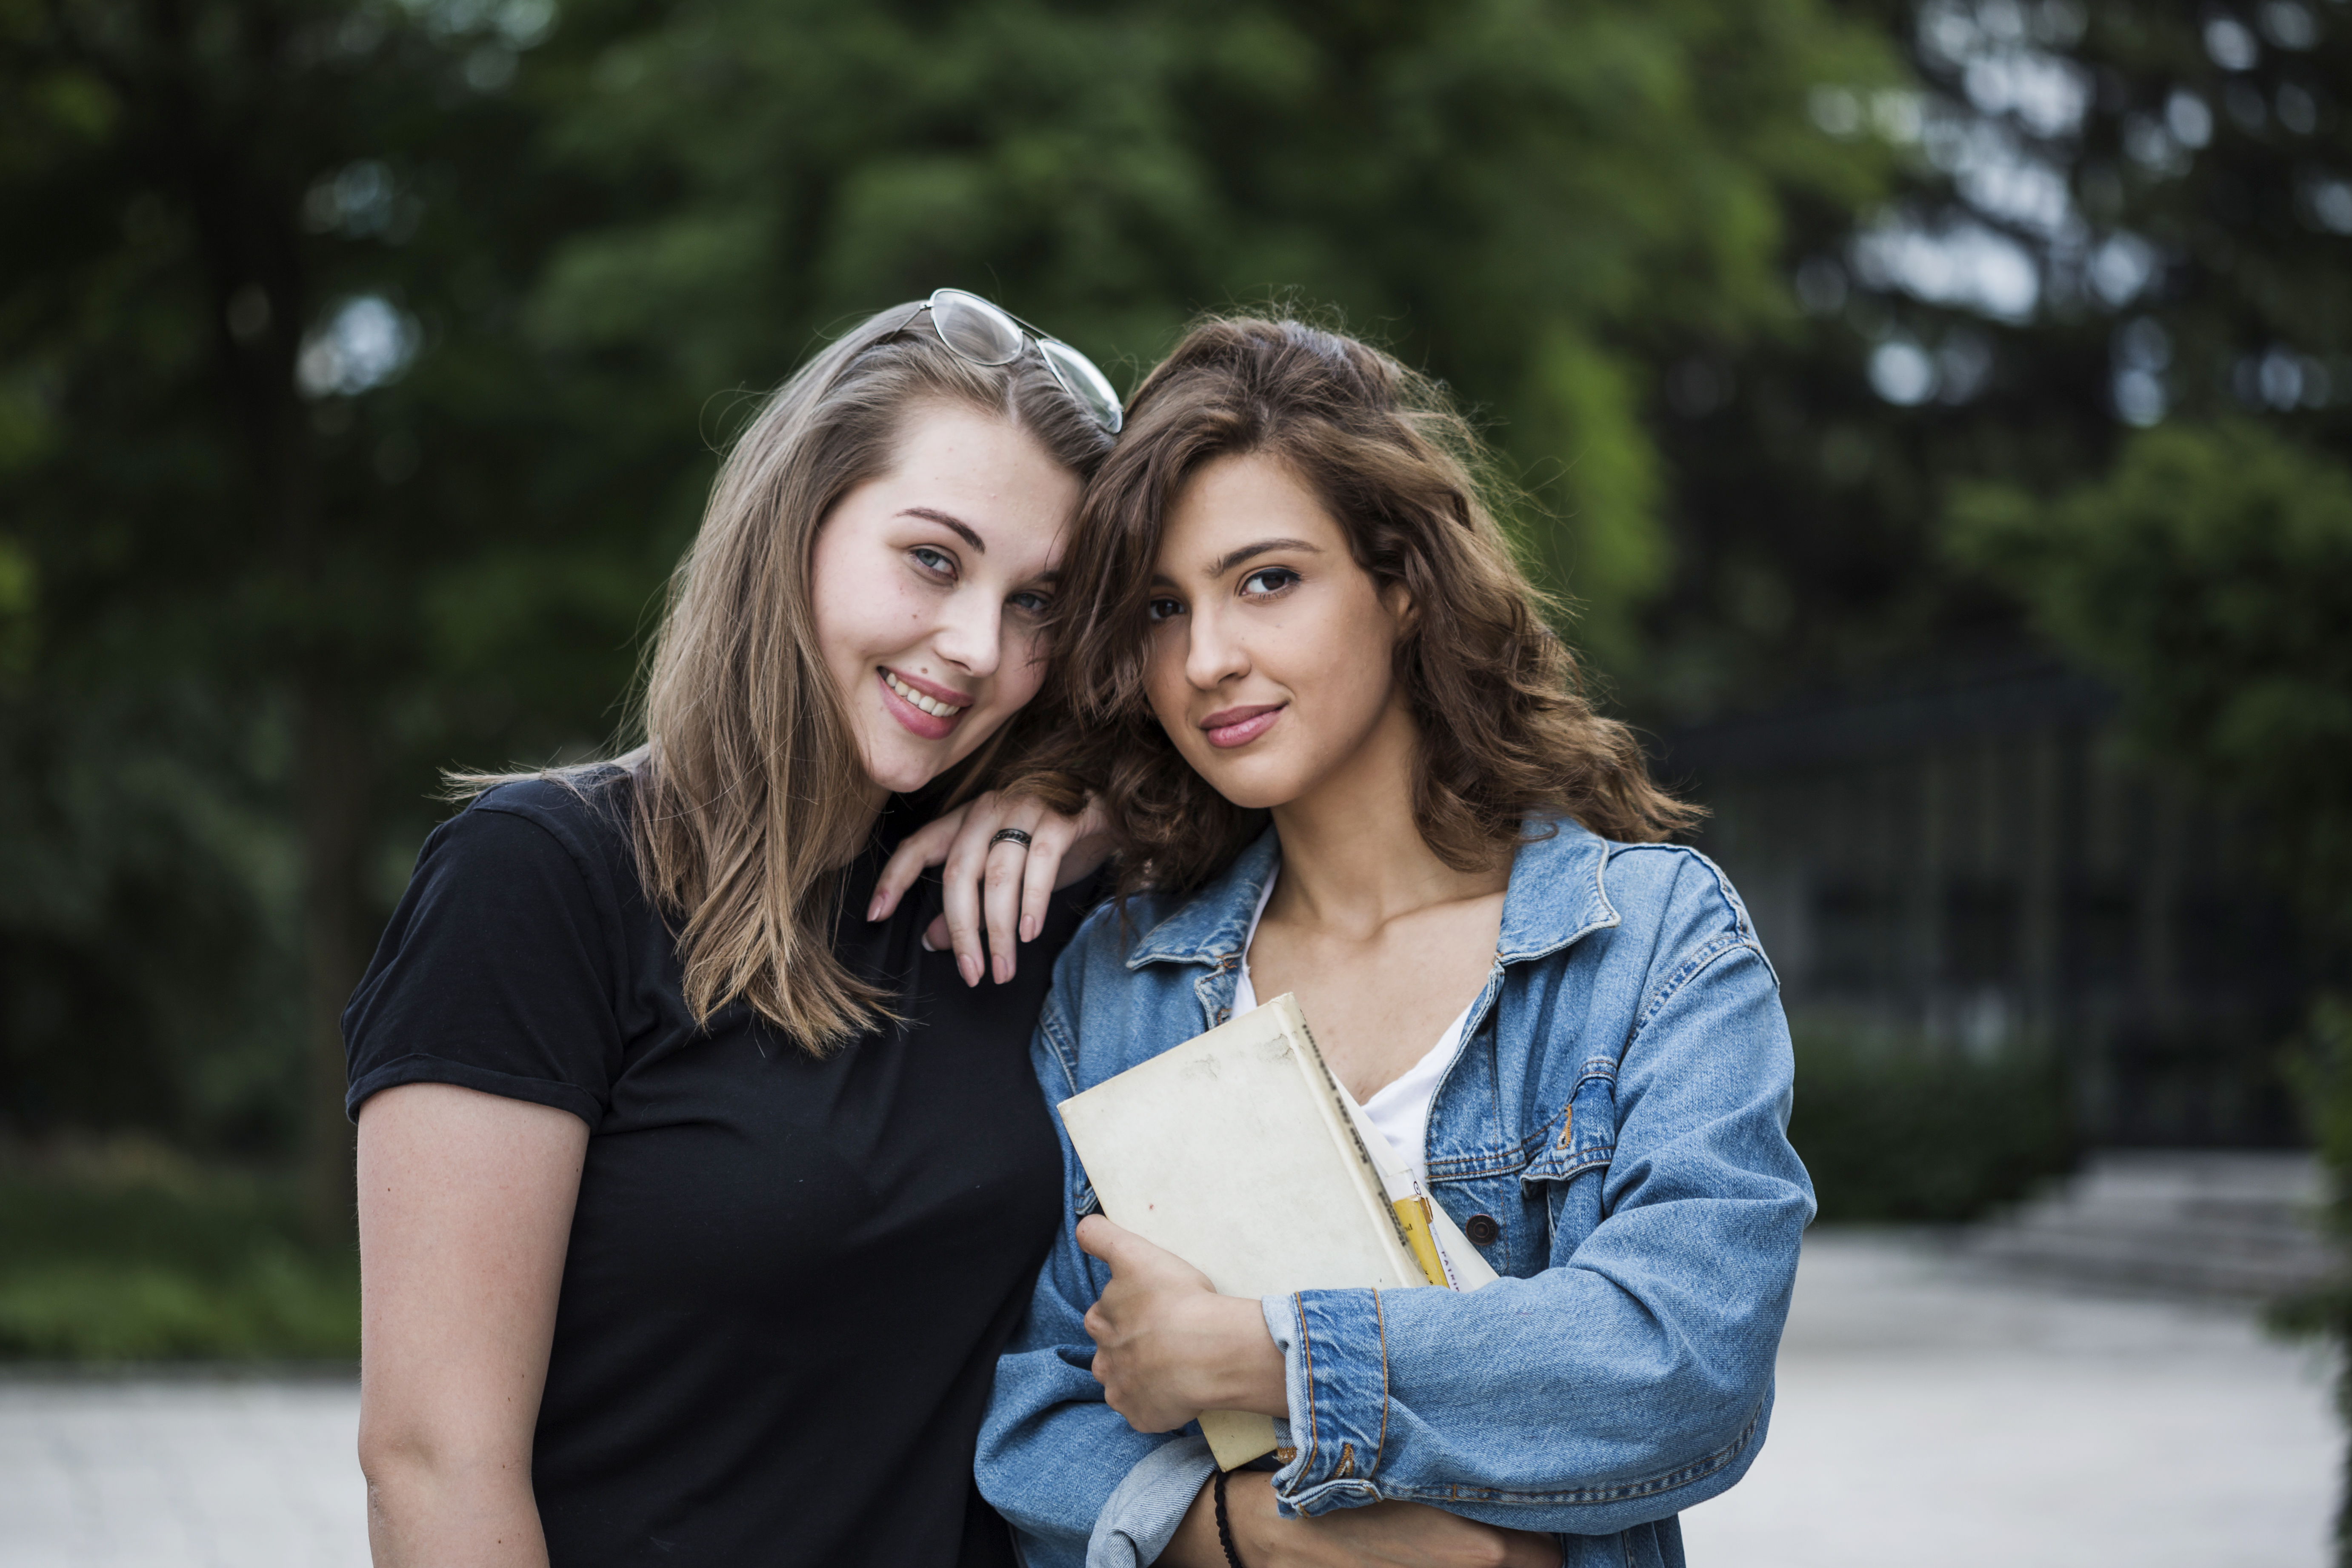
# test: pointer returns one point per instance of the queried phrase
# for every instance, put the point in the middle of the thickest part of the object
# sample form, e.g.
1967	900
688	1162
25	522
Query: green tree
2104	216
359	361
2210	575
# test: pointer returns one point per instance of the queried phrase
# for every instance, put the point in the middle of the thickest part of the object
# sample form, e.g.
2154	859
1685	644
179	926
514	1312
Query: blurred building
1973	861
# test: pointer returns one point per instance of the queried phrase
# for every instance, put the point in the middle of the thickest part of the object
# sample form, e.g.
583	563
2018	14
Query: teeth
915	699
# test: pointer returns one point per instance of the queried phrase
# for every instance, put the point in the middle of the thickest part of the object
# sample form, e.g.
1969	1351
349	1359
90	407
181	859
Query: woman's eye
932	560
1160	609
1030	601
1271	580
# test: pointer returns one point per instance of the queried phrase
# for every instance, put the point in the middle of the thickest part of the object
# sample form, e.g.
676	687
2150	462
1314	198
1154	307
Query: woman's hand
1167	1346
998	887
1382	1535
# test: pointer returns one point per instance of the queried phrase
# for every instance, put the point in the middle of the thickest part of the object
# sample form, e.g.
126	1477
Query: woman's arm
1384	1535
465	1202
1162	1333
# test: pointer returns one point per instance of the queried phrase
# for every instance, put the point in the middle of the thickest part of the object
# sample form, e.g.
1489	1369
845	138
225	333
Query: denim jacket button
1482	1229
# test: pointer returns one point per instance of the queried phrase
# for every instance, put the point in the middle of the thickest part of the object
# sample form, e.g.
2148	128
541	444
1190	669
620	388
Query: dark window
1980	934
1854	928
2098	935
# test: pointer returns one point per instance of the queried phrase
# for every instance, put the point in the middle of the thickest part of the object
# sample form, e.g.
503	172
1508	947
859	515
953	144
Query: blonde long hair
749	792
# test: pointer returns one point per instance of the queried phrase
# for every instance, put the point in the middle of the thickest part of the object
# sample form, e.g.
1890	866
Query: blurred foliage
361	361
1895	1129
2210	575
2107	214
125	1253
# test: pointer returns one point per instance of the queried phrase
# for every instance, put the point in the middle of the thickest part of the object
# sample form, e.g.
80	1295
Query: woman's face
930	581
1270	662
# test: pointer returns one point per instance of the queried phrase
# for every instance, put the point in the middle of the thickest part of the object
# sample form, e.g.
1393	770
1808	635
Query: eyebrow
1233	558
970	535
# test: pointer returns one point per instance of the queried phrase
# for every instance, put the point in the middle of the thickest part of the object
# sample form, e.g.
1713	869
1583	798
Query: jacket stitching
1692	967
1503	1159
1698	1470
1306	1363
1379	1444
1065	1054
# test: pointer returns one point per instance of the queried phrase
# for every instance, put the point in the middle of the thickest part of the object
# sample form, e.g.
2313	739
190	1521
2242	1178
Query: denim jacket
1611	1132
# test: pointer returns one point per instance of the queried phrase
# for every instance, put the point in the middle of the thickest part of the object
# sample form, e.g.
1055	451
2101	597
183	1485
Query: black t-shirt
789	1279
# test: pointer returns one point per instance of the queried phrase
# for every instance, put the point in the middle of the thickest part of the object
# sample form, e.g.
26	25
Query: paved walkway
181	1473
1928	1415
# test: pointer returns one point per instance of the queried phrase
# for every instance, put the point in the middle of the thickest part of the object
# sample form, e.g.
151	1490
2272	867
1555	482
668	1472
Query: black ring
1008	835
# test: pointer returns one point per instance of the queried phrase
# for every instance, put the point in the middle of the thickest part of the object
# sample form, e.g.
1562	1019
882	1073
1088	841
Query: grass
125	1252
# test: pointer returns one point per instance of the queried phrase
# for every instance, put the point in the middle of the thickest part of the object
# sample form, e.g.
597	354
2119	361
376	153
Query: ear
1402	608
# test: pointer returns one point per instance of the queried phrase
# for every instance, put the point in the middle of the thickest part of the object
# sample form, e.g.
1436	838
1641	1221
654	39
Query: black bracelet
1224	1526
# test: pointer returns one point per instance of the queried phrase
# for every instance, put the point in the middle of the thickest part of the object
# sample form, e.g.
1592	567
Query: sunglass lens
974	328
1082	380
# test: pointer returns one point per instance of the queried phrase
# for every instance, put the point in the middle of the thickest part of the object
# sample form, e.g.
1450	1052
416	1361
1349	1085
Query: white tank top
1400	1109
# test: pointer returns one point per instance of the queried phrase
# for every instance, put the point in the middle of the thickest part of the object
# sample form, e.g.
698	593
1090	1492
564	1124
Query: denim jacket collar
1556	895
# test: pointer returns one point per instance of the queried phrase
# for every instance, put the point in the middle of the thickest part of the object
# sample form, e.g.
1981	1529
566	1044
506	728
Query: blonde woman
696	1201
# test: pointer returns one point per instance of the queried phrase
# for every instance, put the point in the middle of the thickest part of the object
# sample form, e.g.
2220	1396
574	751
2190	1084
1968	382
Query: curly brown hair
1508	732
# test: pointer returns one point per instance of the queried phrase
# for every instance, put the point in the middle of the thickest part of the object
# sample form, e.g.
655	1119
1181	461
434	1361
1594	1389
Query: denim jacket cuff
1336	1377
1138	1520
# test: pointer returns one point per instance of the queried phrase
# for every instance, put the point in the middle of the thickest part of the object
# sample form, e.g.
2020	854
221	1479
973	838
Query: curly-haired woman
1349	760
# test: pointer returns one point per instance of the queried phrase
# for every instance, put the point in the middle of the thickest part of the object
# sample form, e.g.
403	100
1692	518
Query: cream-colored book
1240	1153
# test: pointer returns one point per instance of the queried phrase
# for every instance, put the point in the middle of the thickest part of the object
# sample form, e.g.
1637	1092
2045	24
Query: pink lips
929	726
1234	727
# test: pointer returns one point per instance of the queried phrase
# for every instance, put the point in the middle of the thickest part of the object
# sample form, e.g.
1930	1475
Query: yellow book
1240	1153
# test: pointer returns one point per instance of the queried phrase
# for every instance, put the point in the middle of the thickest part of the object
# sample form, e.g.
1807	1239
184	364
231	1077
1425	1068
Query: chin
1249	784
893	768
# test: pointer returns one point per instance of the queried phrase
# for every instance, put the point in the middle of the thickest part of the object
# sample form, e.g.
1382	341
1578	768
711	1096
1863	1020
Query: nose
1212	653
971	635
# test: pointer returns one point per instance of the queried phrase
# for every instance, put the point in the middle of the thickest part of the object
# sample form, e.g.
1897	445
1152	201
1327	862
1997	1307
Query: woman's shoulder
1673	880
1673	911
575	814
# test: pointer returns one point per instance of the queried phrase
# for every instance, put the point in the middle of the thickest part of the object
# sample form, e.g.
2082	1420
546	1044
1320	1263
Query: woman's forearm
428	1513
1384	1535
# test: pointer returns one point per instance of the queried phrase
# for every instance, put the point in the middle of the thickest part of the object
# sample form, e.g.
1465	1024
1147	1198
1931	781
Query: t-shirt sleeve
498	971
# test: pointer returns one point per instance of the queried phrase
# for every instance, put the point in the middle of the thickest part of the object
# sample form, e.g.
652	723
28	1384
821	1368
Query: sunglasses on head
985	333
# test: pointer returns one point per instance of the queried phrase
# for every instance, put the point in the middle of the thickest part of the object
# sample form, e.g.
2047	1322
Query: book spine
1367	1173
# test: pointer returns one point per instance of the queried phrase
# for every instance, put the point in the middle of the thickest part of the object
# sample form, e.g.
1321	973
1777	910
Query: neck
1353	855
872	798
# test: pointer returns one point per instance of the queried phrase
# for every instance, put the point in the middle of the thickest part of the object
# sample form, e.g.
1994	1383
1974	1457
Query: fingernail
1029	928
1004	970
873	909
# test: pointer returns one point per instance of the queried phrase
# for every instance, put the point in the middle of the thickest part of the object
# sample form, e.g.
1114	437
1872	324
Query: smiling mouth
919	701
1239	726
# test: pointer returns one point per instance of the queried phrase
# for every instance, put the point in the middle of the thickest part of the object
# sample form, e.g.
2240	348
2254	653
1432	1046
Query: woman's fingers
967	862
996	890
920	850
1007	878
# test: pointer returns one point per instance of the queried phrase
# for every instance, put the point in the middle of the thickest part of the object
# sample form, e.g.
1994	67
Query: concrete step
2198	1221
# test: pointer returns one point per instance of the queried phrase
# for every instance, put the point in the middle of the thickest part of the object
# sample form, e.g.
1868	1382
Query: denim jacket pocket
1580	1141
